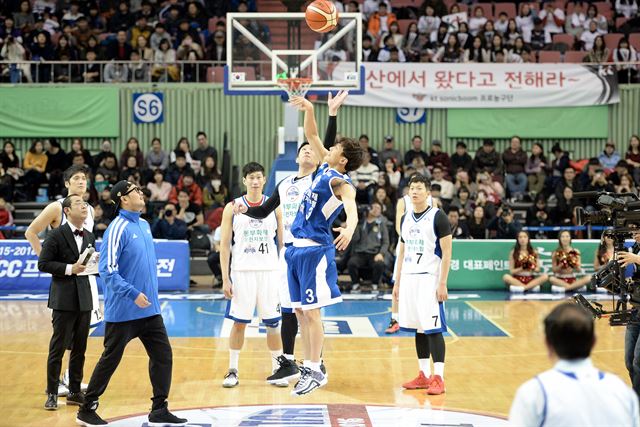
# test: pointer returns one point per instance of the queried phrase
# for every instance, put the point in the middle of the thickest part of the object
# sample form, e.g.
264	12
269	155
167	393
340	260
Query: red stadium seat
404	25
215	74
212	23
508	8
404	3
548	56
574	56
603	6
487	8
567	39
634	40
611	40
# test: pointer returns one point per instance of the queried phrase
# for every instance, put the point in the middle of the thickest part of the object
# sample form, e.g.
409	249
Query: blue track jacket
128	267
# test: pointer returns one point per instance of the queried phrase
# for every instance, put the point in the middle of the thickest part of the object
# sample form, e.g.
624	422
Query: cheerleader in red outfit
524	262
565	263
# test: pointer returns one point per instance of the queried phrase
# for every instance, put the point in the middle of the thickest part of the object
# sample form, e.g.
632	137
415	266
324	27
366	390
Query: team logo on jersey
414	232
250	250
255	223
293	193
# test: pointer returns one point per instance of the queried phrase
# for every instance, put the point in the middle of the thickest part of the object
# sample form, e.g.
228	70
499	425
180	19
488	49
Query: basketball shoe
421	381
394	327
436	386
287	370
309	381
231	379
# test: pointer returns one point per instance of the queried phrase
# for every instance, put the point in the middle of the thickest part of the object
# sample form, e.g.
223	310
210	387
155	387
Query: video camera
623	215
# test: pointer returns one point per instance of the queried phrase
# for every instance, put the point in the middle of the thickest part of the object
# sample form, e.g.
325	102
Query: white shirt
628	10
447	189
577	20
428	24
502	26
476	24
551	25
574	393
588	38
78	239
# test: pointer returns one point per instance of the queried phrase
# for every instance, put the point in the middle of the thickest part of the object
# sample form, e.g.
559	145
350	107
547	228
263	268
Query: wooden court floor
481	374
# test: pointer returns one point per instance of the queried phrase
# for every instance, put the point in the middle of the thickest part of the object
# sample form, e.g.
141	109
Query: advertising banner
472	85
19	266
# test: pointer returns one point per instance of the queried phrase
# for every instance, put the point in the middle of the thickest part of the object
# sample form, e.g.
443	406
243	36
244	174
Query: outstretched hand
301	103
336	102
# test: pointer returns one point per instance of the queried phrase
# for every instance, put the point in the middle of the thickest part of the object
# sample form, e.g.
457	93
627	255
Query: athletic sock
315	366
425	366
438	369
394	316
234	356
516	289
289	356
274	359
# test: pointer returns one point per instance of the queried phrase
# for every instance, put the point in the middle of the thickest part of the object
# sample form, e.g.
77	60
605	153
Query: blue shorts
313	277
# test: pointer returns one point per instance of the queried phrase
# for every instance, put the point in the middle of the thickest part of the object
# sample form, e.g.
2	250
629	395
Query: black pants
69	328
360	260
152	333
214	263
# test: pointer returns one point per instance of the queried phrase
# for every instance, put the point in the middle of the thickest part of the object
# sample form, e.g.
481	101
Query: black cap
388	138
556	148
436	142
488	142
119	190
461	144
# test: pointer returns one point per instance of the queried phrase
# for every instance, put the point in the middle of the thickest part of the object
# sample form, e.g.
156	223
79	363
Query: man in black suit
69	298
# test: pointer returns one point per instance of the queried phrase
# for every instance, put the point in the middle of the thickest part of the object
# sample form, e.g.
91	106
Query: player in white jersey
403	205
573	392
252	280
75	180
420	285
288	194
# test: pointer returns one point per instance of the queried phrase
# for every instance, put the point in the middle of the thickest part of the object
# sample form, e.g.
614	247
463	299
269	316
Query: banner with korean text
471	85
19	266
480	264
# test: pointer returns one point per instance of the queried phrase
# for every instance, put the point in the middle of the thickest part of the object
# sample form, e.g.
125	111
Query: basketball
321	16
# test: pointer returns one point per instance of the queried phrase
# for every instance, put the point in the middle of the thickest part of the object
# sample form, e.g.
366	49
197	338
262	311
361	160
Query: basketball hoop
295	86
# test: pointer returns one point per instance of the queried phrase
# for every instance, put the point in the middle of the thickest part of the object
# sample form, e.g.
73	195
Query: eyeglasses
132	189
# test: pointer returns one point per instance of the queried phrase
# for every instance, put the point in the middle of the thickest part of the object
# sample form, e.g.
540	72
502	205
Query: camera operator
632	335
504	225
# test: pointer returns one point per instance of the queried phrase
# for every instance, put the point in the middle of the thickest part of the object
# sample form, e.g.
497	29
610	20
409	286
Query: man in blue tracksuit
131	307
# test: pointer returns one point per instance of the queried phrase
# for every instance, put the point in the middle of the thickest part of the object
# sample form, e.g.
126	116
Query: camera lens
168	212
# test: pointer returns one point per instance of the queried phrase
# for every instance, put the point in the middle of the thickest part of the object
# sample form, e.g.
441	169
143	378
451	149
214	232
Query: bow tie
79	233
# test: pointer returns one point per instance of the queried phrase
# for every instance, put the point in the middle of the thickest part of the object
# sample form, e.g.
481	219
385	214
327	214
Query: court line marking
201	310
489	319
263	354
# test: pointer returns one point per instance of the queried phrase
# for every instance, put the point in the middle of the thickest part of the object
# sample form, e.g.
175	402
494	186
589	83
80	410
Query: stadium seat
611	40
603	6
406	3
620	21
215	74
634	40
508	8
55	37
487	8
567	39
574	56
548	56
212	23
404	25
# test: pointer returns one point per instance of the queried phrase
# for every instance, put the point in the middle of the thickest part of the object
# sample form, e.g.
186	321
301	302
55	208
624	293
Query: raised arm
262	211
310	125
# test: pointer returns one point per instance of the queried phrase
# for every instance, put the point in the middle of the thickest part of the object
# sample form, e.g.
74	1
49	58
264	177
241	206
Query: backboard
263	47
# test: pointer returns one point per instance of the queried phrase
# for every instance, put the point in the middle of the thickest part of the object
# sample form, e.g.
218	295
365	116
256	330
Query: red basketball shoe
418	382
436	385
394	327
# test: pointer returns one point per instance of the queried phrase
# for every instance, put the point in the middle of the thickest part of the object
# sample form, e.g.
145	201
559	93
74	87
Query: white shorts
419	309
251	290
283	285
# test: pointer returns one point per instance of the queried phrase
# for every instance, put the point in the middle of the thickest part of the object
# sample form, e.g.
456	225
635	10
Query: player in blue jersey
312	271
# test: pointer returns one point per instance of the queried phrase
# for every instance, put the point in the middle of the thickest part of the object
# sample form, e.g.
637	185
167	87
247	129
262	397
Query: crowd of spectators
149	36
479	191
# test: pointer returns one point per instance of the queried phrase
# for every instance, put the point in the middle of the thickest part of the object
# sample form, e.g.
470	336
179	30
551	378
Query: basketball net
295	86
